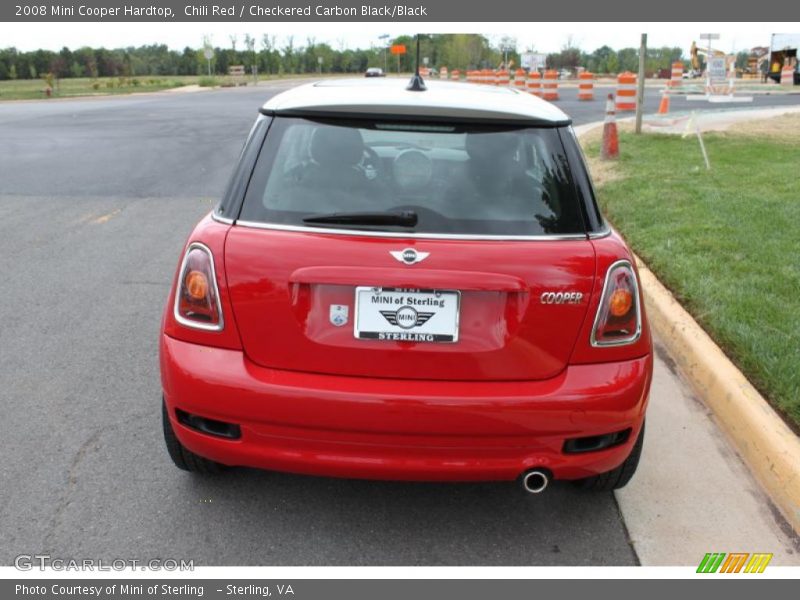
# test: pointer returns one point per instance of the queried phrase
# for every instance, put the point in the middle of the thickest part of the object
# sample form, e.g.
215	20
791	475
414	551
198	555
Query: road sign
709	36
208	53
717	70
533	61
398	49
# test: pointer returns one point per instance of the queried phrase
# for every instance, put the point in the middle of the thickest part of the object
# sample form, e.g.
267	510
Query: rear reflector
208	426
596	442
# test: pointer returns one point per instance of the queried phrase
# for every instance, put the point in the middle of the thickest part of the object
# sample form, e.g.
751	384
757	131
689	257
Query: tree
628	59
456	51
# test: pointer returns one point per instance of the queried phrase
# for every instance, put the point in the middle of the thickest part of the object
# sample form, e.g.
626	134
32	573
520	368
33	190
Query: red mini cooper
410	284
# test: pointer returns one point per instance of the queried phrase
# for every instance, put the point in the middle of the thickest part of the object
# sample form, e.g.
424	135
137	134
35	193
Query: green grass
30	89
725	241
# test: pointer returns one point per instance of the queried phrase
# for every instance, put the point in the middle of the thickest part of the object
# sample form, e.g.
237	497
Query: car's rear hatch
322	268
294	298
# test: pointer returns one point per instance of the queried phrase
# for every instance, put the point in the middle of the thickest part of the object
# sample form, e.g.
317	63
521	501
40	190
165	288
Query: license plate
406	315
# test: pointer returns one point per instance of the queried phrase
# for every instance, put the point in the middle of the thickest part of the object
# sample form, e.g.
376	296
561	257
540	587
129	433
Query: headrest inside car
491	146
337	146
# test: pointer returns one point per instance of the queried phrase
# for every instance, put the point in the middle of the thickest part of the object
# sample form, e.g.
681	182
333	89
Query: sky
542	37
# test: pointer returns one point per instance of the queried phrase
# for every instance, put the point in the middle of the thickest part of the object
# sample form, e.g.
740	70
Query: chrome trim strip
597	235
176	313
622	341
392	234
220	219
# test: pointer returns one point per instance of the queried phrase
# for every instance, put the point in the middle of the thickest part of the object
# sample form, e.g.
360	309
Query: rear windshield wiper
406	218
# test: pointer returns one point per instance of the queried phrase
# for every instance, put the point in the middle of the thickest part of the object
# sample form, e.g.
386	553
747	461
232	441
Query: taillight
197	296
619	316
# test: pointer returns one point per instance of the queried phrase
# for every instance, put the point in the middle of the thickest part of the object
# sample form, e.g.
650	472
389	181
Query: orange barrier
550	85
586	86
442	72
519	79
610	148
472	76
535	83
677	74
502	78
455	74
787	75
663	108
626	92
487	77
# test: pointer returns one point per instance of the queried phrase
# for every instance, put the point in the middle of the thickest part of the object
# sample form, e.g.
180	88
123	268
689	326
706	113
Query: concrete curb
769	448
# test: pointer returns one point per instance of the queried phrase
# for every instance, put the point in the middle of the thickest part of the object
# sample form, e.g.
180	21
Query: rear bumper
398	429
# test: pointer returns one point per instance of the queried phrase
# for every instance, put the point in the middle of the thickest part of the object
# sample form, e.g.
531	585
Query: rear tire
182	457
616	478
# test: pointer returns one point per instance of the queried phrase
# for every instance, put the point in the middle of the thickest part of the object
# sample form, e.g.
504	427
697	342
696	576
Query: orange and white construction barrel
550	91
676	80
586	86
519	79
535	83
787	75
626	92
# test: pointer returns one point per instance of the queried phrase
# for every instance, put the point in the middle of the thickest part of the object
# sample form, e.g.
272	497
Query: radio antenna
416	84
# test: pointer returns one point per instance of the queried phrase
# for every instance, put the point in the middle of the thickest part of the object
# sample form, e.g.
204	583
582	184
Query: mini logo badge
339	314
406	317
409	256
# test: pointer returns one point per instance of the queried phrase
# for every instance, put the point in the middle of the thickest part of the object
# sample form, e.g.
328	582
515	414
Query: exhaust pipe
535	481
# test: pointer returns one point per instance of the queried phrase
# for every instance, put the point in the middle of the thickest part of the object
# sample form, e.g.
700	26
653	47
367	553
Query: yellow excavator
697	51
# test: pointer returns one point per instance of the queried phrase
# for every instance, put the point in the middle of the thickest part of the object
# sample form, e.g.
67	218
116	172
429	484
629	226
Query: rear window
454	178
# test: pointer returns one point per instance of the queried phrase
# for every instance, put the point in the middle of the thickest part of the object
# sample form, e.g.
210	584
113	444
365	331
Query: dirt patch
603	171
783	128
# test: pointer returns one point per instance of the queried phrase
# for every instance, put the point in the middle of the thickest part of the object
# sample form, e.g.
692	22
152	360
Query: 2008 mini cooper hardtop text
410	285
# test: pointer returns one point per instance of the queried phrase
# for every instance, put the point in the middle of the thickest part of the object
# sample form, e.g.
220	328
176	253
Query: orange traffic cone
610	148
663	108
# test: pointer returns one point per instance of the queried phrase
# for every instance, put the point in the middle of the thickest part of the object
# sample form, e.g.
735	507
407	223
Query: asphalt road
96	199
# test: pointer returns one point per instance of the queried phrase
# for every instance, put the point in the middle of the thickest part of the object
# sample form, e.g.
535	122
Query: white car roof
389	97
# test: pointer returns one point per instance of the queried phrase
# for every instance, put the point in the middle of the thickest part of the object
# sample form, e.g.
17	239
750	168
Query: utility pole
383	38
209	54
640	83
250	42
